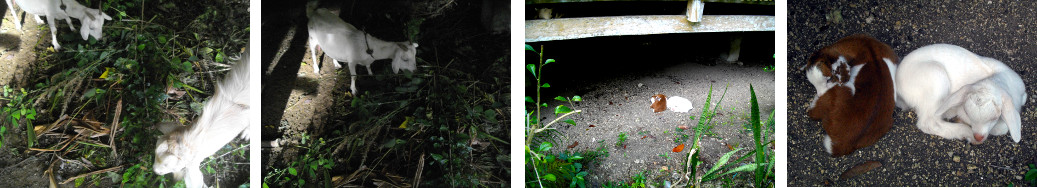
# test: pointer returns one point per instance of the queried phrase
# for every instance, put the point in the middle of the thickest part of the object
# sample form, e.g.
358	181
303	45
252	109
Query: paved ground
1003	30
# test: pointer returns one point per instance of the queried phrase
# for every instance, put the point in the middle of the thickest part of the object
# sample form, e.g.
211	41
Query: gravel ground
1003	30
616	76
622	106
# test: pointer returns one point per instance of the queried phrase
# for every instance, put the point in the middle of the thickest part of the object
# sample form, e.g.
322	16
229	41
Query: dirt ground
17	56
1002	30
616	99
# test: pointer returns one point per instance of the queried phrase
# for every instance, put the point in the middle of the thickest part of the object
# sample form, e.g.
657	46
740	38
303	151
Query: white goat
343	42
181	149
92	19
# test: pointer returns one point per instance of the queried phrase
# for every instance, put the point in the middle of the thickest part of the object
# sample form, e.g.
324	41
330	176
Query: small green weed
621	139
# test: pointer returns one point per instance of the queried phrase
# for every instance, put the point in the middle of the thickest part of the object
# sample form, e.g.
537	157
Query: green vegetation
762	168
157	62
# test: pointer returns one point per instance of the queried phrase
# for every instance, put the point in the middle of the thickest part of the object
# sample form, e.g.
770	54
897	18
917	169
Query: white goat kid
343	42
181	149
92	19
943	81
991	106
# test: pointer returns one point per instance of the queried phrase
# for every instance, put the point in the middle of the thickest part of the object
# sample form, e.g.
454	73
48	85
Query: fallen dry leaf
592	125
575	143
643	137
860	169
679	148
729	147
683	127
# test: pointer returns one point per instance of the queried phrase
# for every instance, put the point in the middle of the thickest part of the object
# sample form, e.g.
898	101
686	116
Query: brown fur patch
660	103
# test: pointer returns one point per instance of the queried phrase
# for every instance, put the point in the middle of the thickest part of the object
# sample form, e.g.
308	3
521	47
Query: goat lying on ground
343	42
92	20
181	149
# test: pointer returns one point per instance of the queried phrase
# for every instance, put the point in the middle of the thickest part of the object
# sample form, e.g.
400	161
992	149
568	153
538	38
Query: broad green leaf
722	161
550	177
546	85
292	171
570	121
530	99
561	109
532	69
530	48
560	98
549	61
743	168
577	98
544	146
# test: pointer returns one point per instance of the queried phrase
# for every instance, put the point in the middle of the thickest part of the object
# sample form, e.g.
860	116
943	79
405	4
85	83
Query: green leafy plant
19	107
621	139
314	164
764	166
536	158
705	118
1031	175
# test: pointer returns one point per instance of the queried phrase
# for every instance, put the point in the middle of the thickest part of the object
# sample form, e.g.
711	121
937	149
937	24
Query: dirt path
910	157
18	52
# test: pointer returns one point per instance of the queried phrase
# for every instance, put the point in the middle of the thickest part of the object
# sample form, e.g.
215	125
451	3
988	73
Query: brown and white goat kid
855	92
343	42
676	103
92	20
181	149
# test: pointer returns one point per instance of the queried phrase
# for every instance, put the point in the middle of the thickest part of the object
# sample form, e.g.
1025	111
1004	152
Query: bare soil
616	99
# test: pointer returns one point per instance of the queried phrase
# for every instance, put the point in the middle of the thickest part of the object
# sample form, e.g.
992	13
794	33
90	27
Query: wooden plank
576	28
757	2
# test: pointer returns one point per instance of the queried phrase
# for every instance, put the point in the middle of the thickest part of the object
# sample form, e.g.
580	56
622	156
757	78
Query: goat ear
955	99
1011	117
167	127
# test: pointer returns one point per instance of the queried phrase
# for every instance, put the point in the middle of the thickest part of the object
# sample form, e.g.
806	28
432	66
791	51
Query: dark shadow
282	21
10	41
4	10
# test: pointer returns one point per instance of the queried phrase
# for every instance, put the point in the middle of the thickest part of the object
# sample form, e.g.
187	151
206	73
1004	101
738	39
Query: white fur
893	75
678	104
182	149
92	19
343	42
853	78
828	144
822	83
928	76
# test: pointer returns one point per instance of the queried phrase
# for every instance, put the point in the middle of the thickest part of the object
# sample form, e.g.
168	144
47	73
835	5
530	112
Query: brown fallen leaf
729	147
679	148
860	169
610	102
592	125
575	143
682	127
643	137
